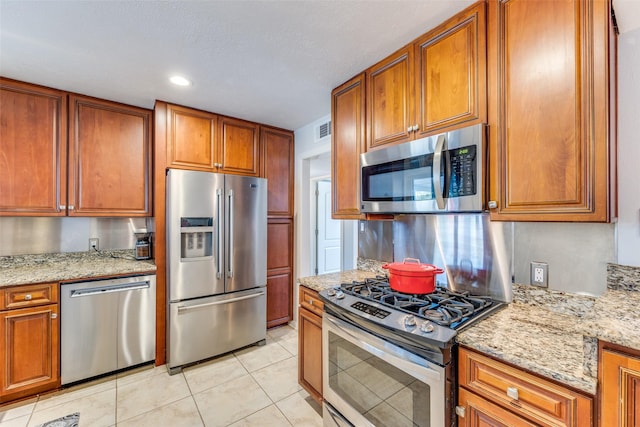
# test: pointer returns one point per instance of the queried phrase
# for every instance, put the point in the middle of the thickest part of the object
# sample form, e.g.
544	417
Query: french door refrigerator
216	264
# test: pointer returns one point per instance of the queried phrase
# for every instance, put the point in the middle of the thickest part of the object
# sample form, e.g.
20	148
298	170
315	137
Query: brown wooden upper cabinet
109	159
278	168
434	84
347	142
53	168
33	150
198	140
191	138
239	149
551	110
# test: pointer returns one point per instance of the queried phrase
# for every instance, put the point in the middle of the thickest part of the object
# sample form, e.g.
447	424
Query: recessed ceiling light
180	81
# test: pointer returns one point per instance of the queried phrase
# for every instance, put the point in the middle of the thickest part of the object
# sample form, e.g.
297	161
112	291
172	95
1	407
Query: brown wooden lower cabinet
279	271
619	377
29	341
479	412
310	342
279	299
493	393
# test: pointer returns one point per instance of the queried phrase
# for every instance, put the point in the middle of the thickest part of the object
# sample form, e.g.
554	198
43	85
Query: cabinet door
29	350
390	114
310	353
279	271
620	392
549	110
479	412
347	143
33	150
279	299
110	159
451	73
239	149
191	139
277	167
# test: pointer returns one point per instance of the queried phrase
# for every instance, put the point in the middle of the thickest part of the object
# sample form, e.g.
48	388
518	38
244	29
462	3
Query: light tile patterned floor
256	386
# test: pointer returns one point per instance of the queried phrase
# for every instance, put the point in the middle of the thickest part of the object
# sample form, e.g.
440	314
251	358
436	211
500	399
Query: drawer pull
310	302
27	297
460	411
512	392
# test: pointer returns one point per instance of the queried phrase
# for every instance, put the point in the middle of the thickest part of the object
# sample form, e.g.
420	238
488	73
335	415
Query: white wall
628	232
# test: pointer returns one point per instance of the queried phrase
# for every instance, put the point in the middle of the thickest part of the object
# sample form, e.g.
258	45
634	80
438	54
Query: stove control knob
331	292
427	327
339	294
410	321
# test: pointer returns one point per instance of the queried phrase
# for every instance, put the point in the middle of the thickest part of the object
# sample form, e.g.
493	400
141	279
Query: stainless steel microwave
437	174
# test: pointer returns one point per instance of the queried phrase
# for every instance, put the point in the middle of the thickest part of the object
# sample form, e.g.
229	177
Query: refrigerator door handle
219	266
230	237
226	301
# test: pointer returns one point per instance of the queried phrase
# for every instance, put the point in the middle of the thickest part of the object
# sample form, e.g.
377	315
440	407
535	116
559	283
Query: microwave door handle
437	182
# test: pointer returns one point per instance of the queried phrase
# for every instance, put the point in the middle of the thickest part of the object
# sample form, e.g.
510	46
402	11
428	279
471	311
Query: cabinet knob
27	297
310	302
70	207
415	128
493	204
54	315
512	392
460	411
409	129
63	207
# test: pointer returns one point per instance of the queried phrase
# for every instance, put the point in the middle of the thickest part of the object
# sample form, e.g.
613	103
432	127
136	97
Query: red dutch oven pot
412	277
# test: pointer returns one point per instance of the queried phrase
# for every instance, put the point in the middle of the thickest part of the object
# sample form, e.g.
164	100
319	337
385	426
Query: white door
327	232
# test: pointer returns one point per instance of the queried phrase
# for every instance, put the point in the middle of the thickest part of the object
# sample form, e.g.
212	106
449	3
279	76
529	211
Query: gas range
424	324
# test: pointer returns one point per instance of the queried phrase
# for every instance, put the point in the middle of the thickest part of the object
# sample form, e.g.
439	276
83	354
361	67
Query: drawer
310	300
533	397
28	295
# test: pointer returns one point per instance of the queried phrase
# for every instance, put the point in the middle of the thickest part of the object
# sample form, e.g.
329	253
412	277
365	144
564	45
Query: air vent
323	130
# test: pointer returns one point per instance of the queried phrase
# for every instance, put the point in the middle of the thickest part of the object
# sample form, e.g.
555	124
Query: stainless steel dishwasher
106	325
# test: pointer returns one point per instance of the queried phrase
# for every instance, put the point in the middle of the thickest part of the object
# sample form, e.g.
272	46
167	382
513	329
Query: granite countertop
551	333
556	334
59	267
324	281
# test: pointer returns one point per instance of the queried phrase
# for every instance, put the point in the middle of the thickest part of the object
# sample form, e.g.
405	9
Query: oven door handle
384	351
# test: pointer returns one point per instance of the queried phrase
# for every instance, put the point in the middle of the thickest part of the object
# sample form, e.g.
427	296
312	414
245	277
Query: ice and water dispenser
196	237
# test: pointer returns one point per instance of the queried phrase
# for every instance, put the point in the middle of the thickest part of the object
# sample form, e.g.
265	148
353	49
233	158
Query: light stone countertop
551	333
26	269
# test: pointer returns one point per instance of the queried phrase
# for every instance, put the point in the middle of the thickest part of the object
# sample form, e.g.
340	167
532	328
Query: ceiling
269	61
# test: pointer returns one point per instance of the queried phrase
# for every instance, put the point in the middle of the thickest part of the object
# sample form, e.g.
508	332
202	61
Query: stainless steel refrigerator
216	264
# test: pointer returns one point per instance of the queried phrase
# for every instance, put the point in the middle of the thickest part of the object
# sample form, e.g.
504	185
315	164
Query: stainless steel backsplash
474	252
577	253
39	235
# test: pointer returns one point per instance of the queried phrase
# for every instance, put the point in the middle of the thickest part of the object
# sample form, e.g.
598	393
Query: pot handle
413	261
385	266
438	271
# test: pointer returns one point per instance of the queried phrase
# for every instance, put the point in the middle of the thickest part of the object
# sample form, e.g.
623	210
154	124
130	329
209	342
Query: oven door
371	382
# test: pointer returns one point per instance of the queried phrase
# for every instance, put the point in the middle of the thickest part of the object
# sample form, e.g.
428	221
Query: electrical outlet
539	274
94	244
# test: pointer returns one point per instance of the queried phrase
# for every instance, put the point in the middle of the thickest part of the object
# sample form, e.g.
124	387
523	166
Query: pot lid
412	265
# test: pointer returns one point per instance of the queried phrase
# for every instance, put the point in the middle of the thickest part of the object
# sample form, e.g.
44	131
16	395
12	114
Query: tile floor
256	386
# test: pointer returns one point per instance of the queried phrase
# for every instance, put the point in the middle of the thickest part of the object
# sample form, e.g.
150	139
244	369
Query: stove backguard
475	252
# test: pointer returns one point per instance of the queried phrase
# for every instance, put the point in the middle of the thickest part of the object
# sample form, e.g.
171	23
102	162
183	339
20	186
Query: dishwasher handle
100	290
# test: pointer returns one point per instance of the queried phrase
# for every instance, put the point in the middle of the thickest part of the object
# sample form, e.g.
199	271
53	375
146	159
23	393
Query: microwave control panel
463	172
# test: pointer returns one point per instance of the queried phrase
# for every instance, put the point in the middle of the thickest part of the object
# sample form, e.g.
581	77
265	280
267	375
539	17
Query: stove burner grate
444	307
